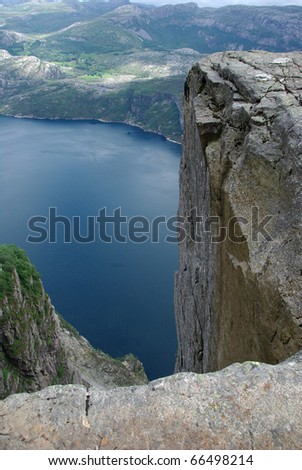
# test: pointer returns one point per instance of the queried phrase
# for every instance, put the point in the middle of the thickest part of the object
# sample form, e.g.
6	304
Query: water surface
118	295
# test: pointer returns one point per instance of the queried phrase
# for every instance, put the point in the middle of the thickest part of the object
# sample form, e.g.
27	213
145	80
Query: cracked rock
245	406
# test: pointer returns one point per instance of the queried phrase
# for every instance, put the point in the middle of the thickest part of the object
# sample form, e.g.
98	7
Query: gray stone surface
241	299
248	406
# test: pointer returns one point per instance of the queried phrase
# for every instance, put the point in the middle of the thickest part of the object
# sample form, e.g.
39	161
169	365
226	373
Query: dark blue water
118	295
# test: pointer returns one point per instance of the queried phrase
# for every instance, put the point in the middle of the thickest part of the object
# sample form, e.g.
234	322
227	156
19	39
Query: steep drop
238	289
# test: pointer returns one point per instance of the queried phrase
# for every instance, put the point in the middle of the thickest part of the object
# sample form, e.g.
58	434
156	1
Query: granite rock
245	406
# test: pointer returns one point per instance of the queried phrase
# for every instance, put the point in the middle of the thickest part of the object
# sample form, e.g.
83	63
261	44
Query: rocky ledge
248	406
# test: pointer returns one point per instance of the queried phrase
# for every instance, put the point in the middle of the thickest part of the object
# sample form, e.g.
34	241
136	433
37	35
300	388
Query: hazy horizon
221	3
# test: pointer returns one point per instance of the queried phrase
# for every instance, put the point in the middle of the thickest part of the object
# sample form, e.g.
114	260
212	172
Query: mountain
125	62
38	347
214	29
248	406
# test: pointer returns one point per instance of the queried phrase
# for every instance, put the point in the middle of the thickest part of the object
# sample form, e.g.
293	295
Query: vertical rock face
238	289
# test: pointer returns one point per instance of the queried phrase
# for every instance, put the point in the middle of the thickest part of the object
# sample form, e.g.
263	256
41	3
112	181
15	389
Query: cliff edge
238	289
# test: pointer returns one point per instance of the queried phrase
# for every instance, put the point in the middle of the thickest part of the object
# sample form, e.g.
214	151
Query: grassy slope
154	102
43	18
12	258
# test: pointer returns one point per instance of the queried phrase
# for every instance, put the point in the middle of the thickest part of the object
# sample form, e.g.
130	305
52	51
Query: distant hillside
126	62
171	26
215	29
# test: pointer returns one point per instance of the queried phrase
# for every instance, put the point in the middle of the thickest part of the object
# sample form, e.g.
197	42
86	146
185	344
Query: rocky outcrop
37	348
8	38
28	67
18	74
238	289
241	407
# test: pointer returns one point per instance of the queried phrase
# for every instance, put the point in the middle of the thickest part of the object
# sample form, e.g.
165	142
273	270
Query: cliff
37	347
238	289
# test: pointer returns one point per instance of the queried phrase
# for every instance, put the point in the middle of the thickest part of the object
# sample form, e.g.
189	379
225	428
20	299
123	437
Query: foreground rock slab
245	406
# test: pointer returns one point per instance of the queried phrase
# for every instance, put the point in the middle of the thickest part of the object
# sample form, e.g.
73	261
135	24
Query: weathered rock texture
248	406
240	299
37	348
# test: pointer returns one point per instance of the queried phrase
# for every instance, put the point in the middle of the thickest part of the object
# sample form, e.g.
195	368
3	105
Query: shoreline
127	123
